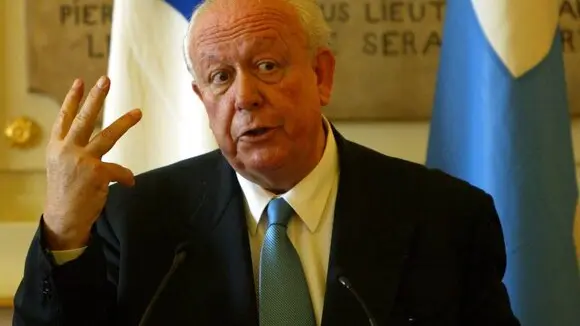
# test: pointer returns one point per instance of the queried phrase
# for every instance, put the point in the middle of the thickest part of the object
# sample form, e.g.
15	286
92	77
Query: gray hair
310	16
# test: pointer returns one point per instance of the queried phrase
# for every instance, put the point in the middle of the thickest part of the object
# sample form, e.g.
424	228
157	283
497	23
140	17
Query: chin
265	159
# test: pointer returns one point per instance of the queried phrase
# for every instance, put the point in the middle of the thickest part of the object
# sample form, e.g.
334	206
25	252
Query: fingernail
103	82
76	83
135	113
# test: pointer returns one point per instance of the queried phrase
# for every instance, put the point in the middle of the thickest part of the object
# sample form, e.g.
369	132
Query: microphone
178	258
346	283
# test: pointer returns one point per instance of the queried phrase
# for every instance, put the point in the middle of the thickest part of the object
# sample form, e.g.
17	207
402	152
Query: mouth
257	133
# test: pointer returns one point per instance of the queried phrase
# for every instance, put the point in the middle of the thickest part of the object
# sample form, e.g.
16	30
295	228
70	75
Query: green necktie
283	292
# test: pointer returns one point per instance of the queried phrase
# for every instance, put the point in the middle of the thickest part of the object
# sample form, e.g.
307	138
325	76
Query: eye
267	66
220	77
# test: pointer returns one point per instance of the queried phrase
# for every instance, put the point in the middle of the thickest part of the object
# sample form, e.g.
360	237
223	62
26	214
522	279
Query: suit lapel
224	252
369	240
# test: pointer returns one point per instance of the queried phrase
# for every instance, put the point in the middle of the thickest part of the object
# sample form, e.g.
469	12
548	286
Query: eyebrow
208	57
263	43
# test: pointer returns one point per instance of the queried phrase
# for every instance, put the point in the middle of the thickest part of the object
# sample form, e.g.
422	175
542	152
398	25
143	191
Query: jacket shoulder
171	188
412	177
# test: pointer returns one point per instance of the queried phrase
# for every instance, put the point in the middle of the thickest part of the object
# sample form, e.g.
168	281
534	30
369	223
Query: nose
247	92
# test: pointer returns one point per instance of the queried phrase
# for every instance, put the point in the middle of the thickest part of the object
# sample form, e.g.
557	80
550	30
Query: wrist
65	239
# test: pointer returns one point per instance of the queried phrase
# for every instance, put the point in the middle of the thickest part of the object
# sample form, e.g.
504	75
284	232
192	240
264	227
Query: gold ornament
22	132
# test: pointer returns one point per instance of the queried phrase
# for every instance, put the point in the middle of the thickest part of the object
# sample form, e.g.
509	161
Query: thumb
120	174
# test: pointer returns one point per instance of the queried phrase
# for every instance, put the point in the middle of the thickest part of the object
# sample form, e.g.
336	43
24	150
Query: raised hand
77	178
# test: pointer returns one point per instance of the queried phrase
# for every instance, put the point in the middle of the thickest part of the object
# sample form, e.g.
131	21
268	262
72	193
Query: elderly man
287	224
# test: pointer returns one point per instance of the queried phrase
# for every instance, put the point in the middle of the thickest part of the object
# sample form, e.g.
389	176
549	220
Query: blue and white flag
501	122
148	71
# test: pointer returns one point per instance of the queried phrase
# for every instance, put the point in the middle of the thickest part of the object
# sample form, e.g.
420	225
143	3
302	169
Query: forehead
229	22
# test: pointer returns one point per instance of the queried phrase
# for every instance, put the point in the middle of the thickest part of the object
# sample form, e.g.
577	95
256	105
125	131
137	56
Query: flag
148	71
500	121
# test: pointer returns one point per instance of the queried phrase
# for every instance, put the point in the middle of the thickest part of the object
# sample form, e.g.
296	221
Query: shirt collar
308	198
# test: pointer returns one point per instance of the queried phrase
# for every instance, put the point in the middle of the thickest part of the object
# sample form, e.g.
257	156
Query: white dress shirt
310	229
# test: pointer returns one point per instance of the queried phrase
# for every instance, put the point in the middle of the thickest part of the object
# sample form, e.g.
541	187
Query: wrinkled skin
263	89
77	179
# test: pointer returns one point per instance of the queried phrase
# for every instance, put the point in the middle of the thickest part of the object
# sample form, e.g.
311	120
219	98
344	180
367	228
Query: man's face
262	87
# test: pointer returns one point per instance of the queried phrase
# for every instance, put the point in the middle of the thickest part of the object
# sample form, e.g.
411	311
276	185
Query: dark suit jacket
420	247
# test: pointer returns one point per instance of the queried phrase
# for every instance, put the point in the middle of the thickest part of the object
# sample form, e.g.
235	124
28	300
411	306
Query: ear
196	90
324	69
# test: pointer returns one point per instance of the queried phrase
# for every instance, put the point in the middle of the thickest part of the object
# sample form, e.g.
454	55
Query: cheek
301	104
299	87
292	88
220	120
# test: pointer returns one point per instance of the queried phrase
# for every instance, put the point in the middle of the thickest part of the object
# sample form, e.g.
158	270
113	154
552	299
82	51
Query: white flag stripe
147	71
521	32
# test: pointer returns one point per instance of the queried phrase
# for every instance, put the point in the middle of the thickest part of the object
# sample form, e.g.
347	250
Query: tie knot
279	212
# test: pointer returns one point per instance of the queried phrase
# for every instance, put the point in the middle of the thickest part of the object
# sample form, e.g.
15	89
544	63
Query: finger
84	122
120	174
68	110
108	137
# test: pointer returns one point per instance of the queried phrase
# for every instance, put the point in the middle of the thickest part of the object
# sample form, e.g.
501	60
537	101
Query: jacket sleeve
79	292
486	301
